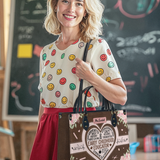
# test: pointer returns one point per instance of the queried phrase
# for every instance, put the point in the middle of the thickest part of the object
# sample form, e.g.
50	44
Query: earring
55	10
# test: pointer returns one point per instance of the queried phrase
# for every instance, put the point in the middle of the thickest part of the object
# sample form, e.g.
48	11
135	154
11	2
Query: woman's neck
69	35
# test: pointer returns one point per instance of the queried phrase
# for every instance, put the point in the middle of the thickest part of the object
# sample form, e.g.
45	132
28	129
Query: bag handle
106	105
79	105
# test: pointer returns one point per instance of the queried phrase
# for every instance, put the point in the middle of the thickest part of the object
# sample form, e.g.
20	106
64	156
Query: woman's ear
85	13
55	9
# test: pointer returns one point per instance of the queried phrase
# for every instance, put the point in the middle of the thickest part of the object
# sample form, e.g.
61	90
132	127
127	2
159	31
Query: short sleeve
40	70
103	62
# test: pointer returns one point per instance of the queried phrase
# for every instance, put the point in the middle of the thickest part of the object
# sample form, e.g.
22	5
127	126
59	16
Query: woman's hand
83	69
114	90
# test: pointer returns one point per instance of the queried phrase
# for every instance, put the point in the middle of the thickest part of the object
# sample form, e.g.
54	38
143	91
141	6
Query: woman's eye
65	1
79	4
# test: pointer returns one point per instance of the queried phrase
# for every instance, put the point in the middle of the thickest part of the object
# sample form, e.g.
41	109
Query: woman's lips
69	17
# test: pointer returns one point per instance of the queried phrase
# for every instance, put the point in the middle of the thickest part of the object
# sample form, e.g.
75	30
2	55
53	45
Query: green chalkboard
132	30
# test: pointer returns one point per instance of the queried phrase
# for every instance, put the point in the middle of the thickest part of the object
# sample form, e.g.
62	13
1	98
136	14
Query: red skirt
45	143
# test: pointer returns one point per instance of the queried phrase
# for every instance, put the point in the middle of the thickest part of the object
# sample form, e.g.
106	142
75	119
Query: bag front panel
101	141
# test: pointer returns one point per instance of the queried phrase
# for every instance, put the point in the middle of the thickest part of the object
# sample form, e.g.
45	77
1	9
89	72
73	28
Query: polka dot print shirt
59	85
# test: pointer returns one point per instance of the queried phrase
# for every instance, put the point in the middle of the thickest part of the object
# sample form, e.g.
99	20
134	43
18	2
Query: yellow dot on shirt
59	71
108	79
50	46
44	74
50	86
72	57
90	46
100	71
64	100
52	104
52	64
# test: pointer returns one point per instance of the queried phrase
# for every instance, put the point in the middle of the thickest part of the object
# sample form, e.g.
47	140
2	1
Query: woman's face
70	12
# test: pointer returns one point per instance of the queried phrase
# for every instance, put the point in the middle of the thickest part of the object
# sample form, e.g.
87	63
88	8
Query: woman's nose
71	7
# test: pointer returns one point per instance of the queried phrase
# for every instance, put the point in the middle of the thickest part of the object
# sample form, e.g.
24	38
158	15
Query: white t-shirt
59	85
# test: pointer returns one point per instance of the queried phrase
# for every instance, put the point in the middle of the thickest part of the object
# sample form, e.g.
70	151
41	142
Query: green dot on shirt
72	86
63	55
110	64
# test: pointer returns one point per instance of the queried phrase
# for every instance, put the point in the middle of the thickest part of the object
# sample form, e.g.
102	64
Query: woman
61	67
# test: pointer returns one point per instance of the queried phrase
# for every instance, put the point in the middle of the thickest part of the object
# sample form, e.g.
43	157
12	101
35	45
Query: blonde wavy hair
90	26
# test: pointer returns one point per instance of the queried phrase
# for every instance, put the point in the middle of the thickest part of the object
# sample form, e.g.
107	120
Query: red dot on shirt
100	40
88	94
47	62
103	57
62	81
109	51
53	52
58	94
74	70
43	101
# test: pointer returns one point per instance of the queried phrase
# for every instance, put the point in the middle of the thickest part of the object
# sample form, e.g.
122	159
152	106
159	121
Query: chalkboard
132	30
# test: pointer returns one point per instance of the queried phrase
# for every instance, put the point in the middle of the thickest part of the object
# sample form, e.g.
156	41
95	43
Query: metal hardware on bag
114	120
60	115
70	117
124	112
85	123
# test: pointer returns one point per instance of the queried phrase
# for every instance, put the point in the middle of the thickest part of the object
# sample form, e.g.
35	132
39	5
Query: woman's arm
114	91
41	109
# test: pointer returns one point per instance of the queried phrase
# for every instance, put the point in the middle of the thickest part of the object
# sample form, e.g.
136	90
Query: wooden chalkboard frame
2	52
5	115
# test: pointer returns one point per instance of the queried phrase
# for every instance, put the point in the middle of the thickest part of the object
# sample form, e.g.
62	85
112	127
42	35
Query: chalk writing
135	107
25	32
17	102
150	38
139	8
131	52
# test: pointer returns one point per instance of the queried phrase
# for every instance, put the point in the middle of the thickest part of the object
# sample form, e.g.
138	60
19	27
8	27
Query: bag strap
79	105
106	105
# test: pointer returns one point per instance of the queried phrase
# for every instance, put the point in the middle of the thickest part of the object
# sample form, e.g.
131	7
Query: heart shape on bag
100	141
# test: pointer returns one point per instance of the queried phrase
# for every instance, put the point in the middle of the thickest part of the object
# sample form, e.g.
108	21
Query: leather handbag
93	135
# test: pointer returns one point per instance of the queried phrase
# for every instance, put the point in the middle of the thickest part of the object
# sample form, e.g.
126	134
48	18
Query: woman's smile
69	17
